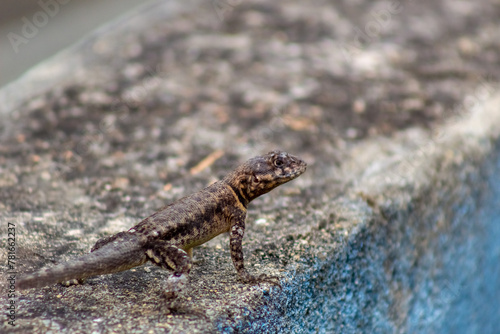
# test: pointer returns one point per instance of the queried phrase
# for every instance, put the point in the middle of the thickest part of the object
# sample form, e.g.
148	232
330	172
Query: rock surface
393	228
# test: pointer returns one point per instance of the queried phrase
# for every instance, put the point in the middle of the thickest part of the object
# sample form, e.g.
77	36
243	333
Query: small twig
206	162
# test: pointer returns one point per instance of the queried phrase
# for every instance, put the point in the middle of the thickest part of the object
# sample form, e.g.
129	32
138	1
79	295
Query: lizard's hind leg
171	257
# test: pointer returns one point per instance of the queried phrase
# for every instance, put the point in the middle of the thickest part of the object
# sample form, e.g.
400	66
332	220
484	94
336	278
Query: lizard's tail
110	258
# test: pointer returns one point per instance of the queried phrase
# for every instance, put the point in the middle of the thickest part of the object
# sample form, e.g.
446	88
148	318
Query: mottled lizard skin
166	238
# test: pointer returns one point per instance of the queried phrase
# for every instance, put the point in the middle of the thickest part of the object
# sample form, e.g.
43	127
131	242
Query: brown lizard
167	237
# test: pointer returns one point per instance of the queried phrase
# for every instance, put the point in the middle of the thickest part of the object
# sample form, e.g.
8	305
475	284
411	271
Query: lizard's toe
73	282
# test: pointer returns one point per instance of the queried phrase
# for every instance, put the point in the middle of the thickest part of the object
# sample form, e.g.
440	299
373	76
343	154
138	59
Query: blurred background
60	23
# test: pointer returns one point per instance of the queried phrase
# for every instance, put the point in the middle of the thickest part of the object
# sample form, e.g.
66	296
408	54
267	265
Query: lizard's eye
279	162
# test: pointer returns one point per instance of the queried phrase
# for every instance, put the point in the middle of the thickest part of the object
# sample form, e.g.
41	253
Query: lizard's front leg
171	257
235	242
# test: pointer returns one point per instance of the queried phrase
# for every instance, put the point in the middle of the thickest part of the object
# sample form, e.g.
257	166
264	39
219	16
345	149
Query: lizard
167	237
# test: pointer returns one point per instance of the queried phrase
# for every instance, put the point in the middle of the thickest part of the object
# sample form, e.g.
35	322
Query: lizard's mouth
296	170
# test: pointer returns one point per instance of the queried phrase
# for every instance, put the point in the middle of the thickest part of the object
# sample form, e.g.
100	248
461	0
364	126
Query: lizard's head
262	174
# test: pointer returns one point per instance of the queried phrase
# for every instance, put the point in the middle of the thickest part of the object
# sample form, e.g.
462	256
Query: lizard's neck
238	182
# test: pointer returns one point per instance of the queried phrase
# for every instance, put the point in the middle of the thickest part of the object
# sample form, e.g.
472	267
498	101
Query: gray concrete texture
394	227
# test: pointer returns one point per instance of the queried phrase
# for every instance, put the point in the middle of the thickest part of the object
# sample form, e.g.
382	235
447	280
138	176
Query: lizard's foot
175	284
74	281
262	278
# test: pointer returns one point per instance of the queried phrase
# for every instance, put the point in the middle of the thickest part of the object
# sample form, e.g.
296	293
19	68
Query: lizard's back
191	220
